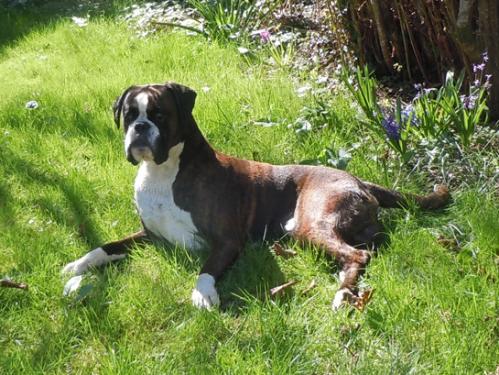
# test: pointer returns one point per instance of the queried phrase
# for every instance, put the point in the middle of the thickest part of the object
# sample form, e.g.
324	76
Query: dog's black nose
141	127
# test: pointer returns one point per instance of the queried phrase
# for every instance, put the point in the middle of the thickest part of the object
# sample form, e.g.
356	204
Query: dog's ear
185	98
118	106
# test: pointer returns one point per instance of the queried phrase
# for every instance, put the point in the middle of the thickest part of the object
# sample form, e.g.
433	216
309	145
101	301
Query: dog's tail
393	199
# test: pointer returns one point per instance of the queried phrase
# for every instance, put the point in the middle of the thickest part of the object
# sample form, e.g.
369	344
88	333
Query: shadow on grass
18	21
253	274
29	174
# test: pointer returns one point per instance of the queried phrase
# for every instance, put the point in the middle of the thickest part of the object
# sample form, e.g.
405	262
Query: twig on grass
172	24
279	250
7	283
281	288
310	286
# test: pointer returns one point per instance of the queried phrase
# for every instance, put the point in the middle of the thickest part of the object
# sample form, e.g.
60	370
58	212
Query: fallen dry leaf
279	250
7	283
280	289
310	286
363	299
449	243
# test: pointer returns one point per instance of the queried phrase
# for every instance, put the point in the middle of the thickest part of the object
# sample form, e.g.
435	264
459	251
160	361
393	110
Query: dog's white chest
156	206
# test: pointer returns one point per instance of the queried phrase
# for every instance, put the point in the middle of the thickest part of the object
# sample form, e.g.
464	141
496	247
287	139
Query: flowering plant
432	114
392	126
447	110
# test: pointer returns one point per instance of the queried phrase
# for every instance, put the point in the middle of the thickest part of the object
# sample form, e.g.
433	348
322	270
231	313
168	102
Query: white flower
449	76
79	21
243	51
32	104
321	79
302	91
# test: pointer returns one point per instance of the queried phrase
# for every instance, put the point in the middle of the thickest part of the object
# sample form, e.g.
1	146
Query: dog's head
155	118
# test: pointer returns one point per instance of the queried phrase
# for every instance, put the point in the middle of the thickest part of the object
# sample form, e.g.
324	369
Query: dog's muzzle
141	142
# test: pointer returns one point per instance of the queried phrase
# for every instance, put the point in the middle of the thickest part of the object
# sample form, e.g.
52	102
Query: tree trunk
383	39
489	32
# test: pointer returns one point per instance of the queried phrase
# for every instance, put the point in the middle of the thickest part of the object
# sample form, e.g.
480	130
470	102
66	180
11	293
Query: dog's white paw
343	295
94	258
72	285
78	267
204	295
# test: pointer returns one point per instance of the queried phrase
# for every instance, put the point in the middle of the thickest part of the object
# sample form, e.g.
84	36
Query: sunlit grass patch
65	188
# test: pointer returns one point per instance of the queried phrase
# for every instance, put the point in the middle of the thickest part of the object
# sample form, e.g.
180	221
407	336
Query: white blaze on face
142	100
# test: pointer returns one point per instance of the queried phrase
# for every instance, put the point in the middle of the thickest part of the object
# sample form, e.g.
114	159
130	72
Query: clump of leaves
443	160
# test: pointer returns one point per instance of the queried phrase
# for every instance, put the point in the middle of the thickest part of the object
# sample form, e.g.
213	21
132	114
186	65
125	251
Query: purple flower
487	85
407	115
419	88
392	128
264	36
469	101
478	67
422	91
485	56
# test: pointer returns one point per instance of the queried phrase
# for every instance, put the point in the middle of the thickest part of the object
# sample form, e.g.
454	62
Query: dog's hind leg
105	254
352	262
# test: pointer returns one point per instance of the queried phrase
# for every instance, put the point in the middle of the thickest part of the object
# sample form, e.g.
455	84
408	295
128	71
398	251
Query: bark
489	33
381	29
465	33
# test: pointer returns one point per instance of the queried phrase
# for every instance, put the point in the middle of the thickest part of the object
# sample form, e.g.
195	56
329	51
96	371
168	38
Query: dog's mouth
139	150
142	142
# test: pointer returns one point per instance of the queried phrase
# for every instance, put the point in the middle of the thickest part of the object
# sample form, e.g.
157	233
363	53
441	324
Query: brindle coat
232	201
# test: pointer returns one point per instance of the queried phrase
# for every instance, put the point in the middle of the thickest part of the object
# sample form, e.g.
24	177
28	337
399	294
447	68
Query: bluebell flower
392	128
478	67
408	113
487	84
469	101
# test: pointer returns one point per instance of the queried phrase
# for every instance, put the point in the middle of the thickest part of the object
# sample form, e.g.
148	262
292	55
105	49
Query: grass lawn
65	188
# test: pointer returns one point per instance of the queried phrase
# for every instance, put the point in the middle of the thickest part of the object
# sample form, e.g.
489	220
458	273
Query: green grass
65	188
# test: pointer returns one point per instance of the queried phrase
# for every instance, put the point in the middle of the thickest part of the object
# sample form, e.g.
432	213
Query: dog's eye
131	114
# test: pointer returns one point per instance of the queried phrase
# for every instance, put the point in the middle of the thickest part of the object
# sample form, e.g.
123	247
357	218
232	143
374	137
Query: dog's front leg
204	295
105	254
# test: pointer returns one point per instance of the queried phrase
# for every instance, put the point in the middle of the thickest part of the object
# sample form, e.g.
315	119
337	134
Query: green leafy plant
227	19
393	127
282	54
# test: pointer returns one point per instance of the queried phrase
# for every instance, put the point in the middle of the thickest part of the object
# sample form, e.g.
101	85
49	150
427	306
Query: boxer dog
189	194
